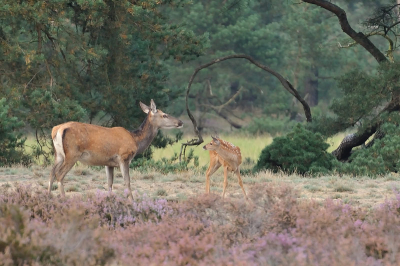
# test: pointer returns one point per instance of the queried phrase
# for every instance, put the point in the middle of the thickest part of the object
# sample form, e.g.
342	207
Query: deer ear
153	106
215	140
144	107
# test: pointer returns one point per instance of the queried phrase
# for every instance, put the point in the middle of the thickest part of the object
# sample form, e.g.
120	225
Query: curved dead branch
286	84
359	37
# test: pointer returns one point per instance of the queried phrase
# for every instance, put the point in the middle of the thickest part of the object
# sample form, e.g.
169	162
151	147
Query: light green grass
334	141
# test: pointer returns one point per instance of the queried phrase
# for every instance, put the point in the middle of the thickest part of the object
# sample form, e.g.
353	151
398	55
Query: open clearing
361	192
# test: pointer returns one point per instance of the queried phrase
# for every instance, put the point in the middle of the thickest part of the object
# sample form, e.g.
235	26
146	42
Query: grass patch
147	177
312	188
371	185
6	185
391	177
343	188
181	196
54	187
74	188
161	192
167	179
81	171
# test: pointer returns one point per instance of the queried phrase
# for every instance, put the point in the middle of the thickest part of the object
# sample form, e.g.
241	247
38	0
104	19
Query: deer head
213	145
158	118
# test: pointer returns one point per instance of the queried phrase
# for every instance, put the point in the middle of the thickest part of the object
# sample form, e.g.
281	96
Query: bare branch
222	106
286	84
220	109
359	37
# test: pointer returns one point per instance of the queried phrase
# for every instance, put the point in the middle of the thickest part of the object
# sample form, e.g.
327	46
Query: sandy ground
362	192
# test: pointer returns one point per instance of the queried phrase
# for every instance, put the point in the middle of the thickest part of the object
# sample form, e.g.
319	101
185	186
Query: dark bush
11	142
381	157
300	151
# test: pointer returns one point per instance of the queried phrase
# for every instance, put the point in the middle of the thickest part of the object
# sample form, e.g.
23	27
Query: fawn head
158	118
213	145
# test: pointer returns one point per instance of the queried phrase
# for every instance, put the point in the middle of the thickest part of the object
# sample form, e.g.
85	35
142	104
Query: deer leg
240	182
54	171
124	166
214	166
110	177
64	169
225	181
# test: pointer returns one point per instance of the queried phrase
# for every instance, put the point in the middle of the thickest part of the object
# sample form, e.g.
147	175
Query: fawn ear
215	140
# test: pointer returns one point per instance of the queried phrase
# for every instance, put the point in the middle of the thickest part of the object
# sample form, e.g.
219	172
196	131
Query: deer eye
210	143
165	116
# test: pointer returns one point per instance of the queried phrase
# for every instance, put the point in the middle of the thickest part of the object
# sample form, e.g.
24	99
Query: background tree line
94	60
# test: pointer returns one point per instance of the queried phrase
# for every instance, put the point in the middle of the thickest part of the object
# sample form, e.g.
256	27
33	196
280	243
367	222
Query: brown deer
102	146
225	154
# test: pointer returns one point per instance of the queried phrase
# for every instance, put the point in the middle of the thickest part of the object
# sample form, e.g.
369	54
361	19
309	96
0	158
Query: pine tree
89	60
300	151
11	142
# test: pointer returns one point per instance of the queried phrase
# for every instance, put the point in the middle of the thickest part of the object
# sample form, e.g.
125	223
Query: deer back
100	145
230	154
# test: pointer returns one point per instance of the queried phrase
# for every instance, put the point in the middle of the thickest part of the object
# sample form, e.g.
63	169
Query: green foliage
289	37
300	151
381	158
73	60
364	94
270	126
165	165
11	142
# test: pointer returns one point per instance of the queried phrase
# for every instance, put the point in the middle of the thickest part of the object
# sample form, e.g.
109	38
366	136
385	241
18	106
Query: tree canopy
67	60
93	61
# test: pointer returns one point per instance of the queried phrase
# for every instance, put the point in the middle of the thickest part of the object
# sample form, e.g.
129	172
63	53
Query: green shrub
11	142
300	151
381	158
165	165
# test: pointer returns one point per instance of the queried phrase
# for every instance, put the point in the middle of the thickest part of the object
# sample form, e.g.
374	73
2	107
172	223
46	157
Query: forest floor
363	192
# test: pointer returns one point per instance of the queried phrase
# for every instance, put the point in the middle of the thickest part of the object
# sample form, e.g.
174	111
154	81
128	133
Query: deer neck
144	135
225	154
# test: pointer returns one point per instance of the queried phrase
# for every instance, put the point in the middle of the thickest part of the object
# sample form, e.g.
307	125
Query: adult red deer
102	146
225	154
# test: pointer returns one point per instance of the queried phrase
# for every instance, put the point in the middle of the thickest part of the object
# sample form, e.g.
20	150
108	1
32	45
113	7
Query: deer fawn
109	147
225	154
